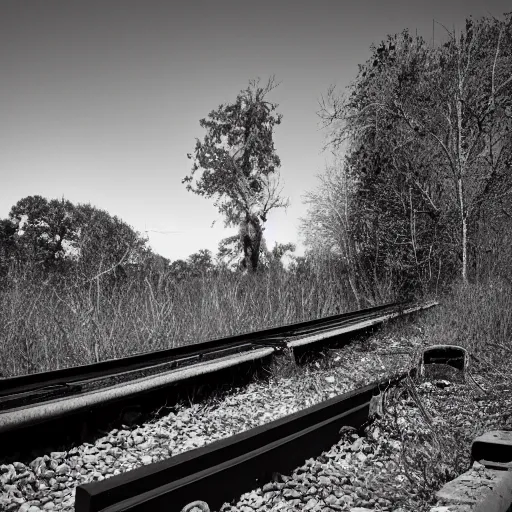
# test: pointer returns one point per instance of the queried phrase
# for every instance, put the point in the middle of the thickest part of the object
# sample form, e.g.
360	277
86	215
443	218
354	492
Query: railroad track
29	386
30	401
36	399
224	470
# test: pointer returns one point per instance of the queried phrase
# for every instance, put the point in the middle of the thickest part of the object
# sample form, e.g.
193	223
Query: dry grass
436	448
53	324
479	318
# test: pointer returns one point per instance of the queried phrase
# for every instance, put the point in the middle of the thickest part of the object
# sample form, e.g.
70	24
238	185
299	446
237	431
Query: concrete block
495	446
447	362
478	490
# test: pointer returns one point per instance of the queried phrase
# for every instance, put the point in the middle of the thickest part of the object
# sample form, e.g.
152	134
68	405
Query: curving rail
42	397
37	382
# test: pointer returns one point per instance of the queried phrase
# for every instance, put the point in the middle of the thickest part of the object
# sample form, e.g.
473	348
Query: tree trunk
464	250
461	161
464	228
251	233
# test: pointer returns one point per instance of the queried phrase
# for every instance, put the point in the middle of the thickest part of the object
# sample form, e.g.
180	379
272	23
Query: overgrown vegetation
424	153
436	421
420	194
476	316
48	322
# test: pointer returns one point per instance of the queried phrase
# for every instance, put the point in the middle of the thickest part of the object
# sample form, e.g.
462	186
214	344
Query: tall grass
50	323
55	322
478	317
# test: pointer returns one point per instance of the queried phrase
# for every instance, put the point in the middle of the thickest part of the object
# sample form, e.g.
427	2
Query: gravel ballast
421	441
357	472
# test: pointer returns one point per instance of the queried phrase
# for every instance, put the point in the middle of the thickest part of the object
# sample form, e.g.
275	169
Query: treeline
420	191
54	237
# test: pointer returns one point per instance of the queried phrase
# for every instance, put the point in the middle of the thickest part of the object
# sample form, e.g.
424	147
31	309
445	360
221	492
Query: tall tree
51	232
237	165
374	205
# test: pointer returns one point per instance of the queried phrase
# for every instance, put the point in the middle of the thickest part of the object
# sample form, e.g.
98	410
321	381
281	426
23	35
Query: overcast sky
100	101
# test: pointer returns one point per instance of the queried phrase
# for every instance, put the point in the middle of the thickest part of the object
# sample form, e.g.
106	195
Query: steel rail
111	367
225	469
360	325
62	405
22	417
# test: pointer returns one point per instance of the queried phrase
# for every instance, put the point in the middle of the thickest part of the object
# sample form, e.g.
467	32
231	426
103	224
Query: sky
100	101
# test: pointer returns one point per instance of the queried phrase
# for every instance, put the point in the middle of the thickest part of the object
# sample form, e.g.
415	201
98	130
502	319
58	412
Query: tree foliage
198	264
426	138
228	252
107	242
57	235
45	230
236	164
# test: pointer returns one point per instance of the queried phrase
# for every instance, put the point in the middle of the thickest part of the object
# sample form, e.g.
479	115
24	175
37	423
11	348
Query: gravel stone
63	469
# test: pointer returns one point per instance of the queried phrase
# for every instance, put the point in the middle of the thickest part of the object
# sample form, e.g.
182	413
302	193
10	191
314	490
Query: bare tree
453	103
